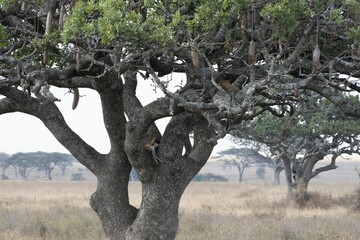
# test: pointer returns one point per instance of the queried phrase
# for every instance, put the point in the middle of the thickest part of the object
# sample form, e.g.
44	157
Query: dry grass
236	211
60	210
47	210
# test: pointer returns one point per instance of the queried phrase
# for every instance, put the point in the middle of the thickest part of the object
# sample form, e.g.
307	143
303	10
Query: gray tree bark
110	201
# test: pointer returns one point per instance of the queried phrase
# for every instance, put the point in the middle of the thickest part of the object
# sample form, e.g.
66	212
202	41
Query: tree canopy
239	58
315	130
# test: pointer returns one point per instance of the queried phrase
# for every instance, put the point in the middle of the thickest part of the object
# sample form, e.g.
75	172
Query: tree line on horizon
24	163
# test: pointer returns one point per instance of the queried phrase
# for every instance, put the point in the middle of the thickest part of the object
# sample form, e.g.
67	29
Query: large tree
240	59
316	130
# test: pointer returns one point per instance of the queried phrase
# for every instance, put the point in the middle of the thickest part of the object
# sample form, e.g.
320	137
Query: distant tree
268	159
65	163
77	177
24	163
48	162
209	177
240	158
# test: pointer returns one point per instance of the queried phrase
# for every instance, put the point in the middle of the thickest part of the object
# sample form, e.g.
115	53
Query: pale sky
24	133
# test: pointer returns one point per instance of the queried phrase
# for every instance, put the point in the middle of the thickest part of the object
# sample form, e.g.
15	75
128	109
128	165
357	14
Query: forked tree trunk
110	201
157	217
241	170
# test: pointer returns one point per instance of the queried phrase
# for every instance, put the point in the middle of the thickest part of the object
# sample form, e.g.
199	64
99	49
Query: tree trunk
276	176
288	176
241	173
158	214
49	173
110	201
240	177
301	185
300	193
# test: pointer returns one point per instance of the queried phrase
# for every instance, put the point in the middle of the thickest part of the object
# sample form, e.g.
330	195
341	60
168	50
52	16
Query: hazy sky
24	133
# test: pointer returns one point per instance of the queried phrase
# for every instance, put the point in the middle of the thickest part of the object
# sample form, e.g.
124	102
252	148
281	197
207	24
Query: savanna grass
228	211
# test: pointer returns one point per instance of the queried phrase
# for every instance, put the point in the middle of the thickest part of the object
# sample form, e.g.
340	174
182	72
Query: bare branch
331	166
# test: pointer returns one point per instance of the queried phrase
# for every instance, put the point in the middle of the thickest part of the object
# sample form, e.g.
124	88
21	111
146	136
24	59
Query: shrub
209	177
304	199
77	177
300	198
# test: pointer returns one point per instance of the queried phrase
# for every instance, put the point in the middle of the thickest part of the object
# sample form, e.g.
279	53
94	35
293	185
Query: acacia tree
315	131
24	163
66	162
233	53
256	146
232	158
240	158
48	162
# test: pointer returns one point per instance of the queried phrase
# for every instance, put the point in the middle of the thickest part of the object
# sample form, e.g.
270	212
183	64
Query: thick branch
110	89
50	115
7	106
336	98
325	168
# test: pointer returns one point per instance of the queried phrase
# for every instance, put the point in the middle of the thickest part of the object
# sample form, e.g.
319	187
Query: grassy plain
219	211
